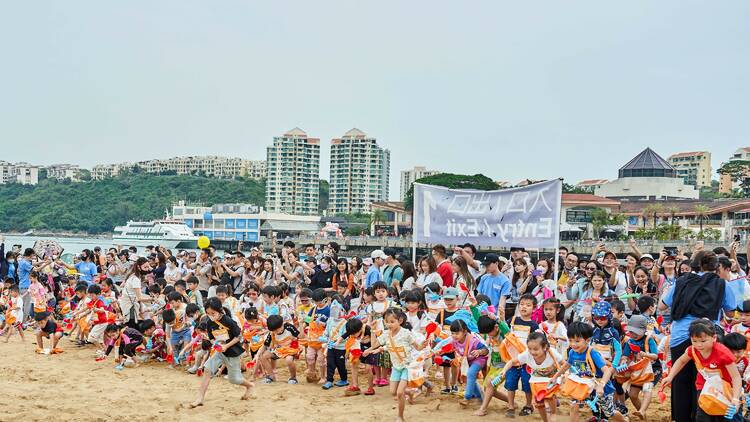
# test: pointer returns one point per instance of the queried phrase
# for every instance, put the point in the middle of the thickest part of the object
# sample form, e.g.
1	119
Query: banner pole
414	225
557	230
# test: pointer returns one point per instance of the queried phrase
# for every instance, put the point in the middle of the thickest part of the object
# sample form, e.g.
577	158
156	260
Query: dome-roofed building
647	176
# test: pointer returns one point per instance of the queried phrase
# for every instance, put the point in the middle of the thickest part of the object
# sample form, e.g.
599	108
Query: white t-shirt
545	369
425	279
17	303
409	284
557	335
129	296
172	274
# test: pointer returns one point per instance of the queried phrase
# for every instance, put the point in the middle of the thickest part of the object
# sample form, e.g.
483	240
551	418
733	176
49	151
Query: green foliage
664	232
567	188
323	195
708	234
453	181
600	219
738	170
98	206
362	218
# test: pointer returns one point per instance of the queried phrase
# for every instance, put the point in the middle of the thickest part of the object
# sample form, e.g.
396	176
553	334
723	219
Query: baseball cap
450	293
367	261
491	258
744	306
517	248
609	253
637	324
647	256
377	253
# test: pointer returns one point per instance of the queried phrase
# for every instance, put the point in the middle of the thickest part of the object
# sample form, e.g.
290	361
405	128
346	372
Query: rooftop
687	207
592	182
296	132
687	154
588	199
647	164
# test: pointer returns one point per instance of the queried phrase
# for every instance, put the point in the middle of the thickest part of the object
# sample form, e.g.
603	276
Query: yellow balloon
203	242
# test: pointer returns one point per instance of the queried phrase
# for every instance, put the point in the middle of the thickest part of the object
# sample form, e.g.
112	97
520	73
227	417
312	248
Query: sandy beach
74	387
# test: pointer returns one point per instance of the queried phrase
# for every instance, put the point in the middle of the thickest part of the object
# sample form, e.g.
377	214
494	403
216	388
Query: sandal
526	411
369	392
510	413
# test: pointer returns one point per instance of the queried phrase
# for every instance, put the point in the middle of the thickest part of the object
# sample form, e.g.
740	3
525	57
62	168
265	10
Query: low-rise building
64	172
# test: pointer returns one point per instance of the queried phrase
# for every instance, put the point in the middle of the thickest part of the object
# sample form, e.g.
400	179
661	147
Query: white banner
528	216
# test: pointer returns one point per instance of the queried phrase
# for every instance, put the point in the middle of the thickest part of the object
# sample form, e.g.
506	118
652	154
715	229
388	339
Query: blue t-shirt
373	276
87	271
680	327
24	269
652	347
578	361
12	270
321	314
494	287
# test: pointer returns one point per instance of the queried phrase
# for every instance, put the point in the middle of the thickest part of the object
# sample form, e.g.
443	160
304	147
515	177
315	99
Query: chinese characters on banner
527	216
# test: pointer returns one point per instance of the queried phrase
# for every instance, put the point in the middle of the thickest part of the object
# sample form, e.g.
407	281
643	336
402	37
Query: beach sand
74	387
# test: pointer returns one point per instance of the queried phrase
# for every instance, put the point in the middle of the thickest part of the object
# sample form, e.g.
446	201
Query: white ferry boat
167	233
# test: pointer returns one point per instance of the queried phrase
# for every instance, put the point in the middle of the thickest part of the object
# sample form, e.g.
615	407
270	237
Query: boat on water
167	233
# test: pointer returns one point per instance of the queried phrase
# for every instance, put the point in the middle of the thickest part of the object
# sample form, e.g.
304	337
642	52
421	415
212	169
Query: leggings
684	394
472	388
336	359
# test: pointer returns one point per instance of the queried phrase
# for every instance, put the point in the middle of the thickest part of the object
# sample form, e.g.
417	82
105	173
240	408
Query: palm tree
652	210
377	216
672	211
701	212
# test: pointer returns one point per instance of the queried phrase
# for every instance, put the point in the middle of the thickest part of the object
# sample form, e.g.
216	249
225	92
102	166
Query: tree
672	210
377	216
701	212
568	188
84	175
453	181
600	219
653	210
323	195
738	170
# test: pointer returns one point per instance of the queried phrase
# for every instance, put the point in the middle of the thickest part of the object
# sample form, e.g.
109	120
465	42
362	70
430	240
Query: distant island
97	206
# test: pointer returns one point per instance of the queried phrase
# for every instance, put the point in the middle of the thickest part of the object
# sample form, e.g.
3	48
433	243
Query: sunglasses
591	269
600	318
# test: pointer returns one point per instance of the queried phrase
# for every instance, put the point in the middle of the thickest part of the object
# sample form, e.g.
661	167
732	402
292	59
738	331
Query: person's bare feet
399	419
321	381
195	404
638	414
248	392
480	412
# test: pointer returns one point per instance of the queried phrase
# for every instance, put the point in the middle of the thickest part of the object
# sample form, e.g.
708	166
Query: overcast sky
510	89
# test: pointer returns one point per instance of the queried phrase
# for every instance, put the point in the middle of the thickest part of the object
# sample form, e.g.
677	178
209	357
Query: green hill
98	206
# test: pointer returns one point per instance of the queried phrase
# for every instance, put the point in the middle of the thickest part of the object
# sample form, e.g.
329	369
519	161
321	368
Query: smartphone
736	237
671	250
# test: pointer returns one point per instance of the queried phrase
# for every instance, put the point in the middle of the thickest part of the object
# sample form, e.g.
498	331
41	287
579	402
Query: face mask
433	297
324	267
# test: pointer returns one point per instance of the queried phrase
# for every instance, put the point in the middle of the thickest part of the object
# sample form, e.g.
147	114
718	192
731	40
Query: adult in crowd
295	275
569	269
469	252
461	272
8	267
516	252
617	282
373	273
444	268
393	274
131	294
699	294
428	272
342	274
494	284
25	266
323	279
234	266
85	267
410	276
202	267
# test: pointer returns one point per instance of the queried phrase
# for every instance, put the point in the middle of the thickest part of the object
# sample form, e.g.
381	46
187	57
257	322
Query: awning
290	226
565	227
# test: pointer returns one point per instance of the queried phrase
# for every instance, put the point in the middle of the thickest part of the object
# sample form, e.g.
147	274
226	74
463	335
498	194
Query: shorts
384	360
605	405
398	375
96	335
447	364
618	387
514	375
492	374
178	337
233	365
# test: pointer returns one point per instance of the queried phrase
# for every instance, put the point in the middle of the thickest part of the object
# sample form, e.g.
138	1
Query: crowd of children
612	348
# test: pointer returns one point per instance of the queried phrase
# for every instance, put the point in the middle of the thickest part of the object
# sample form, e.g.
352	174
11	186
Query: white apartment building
26	174
408	177
209	166
6	172
359	173
64	172
293	179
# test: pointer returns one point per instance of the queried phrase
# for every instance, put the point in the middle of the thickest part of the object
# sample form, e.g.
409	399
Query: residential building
408	177
293	176
6	172
693	167
103	171
64	172
359	173
396	221
245	222
647	176
26	174
726	184
591	185
209	166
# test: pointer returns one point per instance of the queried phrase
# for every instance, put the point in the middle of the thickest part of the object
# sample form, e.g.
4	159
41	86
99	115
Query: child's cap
40	316
450	293
744	306
601	309
638	325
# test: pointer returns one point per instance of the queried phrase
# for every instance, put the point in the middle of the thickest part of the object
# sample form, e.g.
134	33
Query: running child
47	328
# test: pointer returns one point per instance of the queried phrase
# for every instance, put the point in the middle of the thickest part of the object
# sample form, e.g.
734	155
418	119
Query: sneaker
292	381
369	392
352	390
267	380
526	411
327	386
454	389
621	408
341	383
446	390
